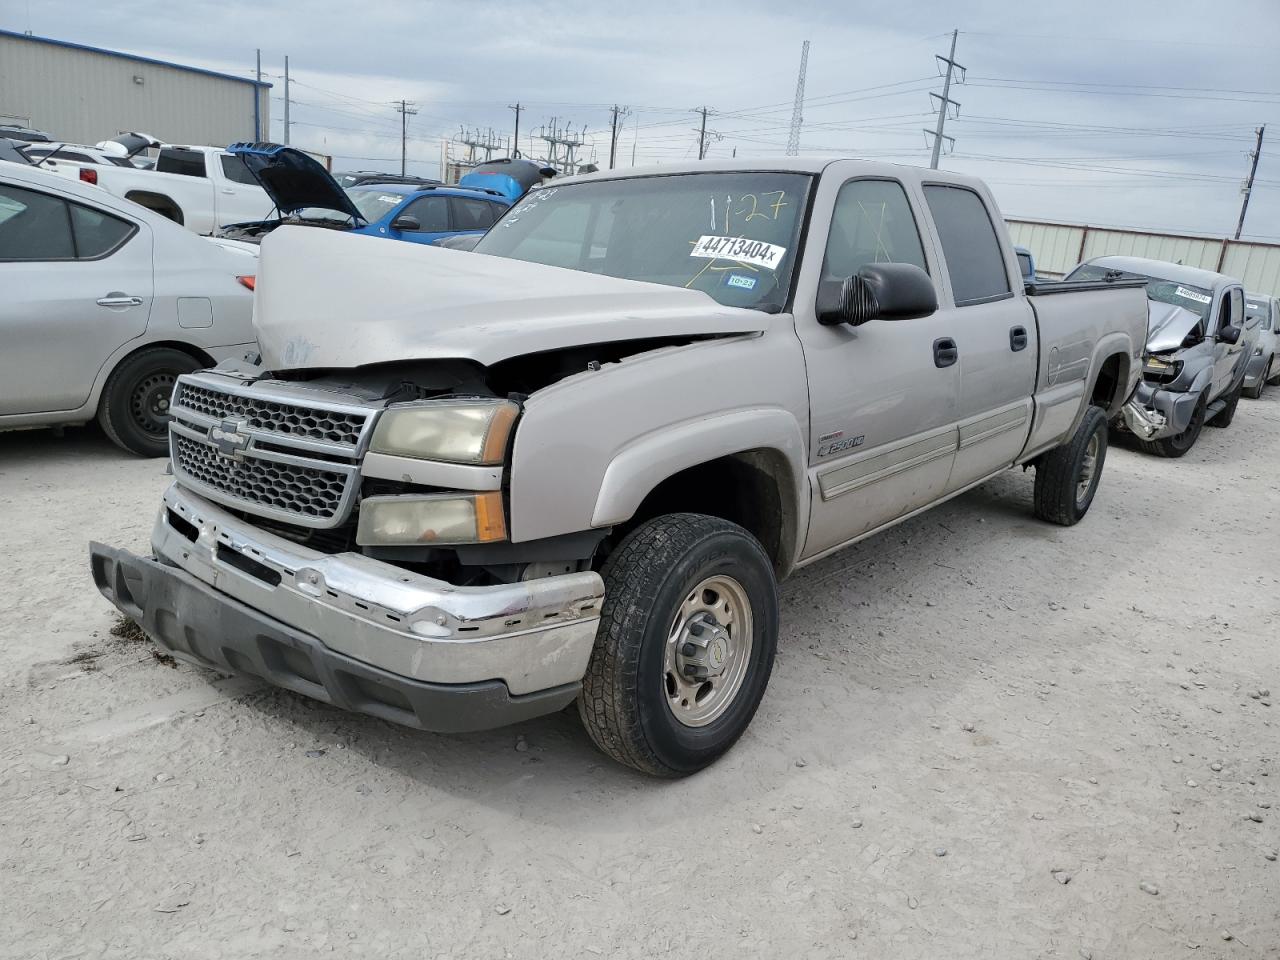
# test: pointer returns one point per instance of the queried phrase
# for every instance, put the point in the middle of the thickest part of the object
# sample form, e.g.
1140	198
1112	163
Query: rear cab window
970	245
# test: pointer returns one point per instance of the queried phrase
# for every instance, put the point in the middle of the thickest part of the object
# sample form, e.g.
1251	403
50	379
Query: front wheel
685	646
1067	477
1180	443
134	410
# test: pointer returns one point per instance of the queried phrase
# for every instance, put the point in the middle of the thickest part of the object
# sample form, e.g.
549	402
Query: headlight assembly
1157	368
462	431
435	520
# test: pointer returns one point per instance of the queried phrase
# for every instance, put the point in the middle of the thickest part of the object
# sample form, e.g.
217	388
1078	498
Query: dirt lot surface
985	737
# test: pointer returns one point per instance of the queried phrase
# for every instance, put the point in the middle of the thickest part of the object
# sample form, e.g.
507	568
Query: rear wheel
685	646
1180	444
1272	375
134	410
1255	392
1067	477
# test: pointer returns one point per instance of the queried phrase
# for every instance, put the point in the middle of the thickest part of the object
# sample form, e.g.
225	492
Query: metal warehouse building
83	94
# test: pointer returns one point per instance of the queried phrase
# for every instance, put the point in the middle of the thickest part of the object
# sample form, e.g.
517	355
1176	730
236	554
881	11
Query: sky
1118	113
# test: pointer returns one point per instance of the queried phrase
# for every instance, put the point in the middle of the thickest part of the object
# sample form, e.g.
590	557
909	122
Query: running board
1215	408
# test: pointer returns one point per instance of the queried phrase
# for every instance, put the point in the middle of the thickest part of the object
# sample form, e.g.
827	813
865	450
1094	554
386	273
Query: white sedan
105	303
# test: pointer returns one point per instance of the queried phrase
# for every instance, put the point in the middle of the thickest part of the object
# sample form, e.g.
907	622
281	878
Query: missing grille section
259	571
313	423
183	527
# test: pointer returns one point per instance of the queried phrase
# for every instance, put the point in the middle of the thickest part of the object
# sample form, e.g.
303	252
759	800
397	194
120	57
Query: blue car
305	193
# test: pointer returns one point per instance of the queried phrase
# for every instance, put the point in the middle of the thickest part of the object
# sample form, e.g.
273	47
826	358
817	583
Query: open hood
293	180
331	299
1167	326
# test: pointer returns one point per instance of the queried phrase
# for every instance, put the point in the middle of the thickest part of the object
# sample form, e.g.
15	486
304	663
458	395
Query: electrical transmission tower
562	143
474	140
1247	187
406	109
945	103
793	139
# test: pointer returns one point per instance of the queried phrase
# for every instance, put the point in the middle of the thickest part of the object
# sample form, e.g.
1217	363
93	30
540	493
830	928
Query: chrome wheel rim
708	651
1088	468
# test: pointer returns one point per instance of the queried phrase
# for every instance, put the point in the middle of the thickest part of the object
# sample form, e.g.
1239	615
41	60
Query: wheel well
1112	376
195	353
753	489
157	202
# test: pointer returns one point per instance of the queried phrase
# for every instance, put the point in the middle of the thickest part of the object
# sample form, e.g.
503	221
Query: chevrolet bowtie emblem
228	440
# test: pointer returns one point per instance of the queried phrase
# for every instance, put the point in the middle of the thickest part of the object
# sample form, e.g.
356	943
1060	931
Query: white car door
77	284
239	198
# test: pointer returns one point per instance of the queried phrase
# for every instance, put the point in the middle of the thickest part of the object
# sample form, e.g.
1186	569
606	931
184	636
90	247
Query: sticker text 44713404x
740	249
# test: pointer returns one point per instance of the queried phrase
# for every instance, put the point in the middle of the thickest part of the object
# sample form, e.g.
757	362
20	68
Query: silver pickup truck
465	489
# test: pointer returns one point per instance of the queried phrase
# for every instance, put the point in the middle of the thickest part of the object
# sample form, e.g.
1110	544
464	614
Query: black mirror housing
406	222
879	291
1229	334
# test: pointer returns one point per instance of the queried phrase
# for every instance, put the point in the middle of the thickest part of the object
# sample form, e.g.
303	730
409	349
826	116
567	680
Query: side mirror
879	291
1229	334
407	223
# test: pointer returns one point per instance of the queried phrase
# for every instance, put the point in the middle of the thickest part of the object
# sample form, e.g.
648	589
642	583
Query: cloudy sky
1111	112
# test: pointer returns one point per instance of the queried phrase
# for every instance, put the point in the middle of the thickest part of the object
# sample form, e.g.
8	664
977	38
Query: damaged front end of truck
1174	367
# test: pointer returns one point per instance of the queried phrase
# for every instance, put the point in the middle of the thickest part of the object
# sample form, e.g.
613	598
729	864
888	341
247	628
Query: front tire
685	647
134	410
1180	444
1067	477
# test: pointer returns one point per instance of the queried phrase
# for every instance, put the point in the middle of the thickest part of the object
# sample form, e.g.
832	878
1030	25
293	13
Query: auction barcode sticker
1192	295
740	250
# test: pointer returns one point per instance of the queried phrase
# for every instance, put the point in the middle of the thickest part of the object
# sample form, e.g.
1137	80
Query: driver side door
882	397
432	213
1226	356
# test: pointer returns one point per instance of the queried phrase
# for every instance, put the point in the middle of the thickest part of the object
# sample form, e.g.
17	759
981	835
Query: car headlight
1160	368
462	431
435	520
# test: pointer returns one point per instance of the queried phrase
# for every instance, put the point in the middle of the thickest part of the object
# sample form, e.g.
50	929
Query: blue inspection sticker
740	280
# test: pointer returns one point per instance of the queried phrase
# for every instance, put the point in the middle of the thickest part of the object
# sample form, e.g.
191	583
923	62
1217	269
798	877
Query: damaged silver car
1198	344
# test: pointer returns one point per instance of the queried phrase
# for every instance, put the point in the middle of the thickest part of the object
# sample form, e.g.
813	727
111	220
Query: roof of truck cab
809	165
1164	270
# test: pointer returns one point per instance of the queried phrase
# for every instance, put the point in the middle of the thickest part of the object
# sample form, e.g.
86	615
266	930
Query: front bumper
229	595
1152	413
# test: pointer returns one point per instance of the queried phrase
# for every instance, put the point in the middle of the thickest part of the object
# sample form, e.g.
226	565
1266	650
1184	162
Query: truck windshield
731	235
1195	299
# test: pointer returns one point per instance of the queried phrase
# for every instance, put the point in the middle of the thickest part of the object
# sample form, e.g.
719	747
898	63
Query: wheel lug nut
688	649
695	629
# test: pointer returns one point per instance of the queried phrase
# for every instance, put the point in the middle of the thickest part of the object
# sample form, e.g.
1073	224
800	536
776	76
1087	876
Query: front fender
639	467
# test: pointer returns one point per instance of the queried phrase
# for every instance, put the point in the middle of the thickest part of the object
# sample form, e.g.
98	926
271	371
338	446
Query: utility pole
619	115
635	140
704	134
406	109
257	101
515	140
945	102
797	117
286	101
1254	154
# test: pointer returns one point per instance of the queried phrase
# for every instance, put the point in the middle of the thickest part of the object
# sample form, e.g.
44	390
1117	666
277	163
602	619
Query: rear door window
34	226
471	214
97	234
969	244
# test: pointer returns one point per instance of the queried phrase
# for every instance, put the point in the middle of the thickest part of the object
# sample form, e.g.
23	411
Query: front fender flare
643	464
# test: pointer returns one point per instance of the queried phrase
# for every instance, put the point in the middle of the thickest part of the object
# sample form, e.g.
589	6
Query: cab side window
1237	305
969	244
432	213
871	223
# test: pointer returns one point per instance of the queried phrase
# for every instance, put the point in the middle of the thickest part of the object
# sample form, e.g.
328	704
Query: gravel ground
985	737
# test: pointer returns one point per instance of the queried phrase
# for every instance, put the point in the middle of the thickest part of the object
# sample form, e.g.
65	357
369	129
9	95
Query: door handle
228	191
1018	339
945	352
119	300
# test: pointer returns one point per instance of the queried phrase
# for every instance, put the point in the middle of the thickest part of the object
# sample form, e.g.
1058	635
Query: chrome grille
314	423
265	450
305	491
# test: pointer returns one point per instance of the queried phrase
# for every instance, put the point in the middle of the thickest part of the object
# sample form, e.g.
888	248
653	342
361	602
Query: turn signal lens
430	521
